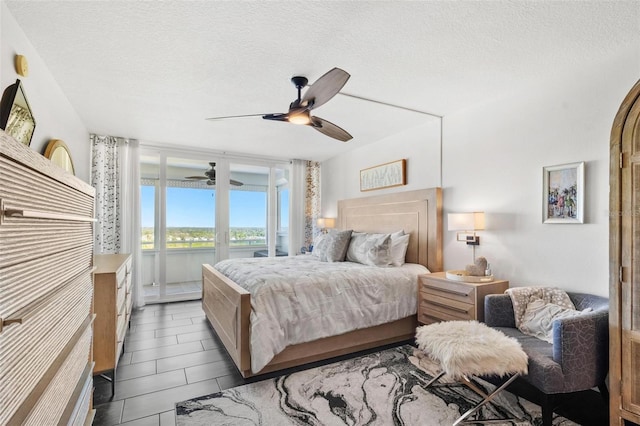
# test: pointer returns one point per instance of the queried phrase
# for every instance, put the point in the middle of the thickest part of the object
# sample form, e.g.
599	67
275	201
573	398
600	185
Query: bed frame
419	213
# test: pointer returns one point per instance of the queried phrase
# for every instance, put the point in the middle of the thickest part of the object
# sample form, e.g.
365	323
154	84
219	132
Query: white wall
493	158
493	155
54	115
419	145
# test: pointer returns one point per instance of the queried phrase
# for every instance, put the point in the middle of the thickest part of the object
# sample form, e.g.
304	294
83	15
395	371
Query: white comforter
300	299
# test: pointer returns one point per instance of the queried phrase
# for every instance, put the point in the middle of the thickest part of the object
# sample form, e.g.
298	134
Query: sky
188	207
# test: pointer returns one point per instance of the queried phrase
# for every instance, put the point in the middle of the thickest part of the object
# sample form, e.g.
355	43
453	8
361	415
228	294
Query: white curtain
115	174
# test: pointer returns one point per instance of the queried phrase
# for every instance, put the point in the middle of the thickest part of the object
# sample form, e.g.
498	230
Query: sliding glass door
257	211
198	211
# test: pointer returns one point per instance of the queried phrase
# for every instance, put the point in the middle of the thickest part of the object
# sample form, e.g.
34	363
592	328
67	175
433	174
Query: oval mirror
58	152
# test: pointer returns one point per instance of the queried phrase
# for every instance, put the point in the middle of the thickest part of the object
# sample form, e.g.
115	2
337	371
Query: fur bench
470	348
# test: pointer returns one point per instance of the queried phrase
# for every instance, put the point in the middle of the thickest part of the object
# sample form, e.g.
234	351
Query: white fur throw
466	348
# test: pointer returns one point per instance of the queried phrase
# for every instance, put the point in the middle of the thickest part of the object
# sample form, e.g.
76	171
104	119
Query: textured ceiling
155	70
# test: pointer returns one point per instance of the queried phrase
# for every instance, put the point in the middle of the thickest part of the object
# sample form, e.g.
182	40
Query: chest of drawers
46	245
440	299
112	306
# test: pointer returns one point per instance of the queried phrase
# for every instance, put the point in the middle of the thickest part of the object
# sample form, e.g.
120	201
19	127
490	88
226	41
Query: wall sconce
469	223
325	223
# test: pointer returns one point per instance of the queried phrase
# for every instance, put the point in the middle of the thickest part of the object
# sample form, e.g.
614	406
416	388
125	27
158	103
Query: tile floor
152	291
172	354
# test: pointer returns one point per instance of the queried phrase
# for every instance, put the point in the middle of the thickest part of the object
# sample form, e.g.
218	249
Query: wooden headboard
418	213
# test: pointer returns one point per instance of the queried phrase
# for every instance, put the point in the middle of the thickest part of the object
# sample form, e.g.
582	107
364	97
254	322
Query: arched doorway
624	262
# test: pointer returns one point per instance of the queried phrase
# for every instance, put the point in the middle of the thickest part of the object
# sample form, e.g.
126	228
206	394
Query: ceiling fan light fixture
324	89
300	118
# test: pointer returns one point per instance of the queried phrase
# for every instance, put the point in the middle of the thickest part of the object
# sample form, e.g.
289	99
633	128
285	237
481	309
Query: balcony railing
184	259
205	244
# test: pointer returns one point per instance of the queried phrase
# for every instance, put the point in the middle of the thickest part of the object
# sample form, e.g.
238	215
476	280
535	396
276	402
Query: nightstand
440	299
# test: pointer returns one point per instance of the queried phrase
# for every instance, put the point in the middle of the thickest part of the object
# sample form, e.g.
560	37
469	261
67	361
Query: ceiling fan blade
234	116
330	129
325	88
231	181
276	117
196	177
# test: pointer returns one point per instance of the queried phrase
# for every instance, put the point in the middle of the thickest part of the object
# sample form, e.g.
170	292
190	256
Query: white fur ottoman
470	348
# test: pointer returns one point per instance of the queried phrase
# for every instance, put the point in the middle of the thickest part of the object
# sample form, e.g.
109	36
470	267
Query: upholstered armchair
577	360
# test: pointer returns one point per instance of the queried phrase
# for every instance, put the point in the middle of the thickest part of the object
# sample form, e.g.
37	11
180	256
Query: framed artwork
16	118
384	176
563	193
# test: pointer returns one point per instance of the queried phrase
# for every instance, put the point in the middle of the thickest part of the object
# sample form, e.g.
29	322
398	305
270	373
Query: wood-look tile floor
172	354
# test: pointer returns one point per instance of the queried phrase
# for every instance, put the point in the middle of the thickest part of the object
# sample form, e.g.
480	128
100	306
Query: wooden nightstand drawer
447	312
440	299
449	290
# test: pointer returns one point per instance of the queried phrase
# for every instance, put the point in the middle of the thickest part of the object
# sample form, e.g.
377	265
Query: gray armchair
577	360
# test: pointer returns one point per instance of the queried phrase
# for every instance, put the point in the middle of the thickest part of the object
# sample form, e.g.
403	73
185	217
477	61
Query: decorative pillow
539	316
398	250
370	249
317	241
332	247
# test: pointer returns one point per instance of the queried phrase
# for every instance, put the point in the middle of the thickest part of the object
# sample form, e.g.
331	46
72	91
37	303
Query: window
283	210
147	213
190	218
247	218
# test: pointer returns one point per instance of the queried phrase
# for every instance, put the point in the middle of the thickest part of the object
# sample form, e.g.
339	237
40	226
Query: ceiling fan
210	175
325	88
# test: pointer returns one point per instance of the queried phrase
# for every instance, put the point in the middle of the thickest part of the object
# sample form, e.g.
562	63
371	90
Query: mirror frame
57	145
15	95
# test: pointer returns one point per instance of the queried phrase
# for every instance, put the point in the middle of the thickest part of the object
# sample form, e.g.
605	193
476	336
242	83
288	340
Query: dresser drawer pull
447	290
5	322
35	214
444	305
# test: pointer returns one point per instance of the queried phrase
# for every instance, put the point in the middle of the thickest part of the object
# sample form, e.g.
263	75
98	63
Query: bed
228	306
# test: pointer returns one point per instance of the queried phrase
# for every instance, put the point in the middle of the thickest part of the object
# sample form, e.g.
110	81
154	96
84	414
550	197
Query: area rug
381	389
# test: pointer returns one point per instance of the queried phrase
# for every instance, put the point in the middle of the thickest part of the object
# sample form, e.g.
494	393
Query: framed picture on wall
563	193
383	176
16	118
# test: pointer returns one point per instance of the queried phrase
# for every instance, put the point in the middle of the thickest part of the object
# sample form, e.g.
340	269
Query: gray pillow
332	247
370	249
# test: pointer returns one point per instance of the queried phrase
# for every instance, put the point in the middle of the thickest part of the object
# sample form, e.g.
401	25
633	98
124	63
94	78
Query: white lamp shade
466	221
326	222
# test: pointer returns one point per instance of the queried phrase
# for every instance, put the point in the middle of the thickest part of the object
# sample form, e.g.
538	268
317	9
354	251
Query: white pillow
398	250
370	249
538	318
